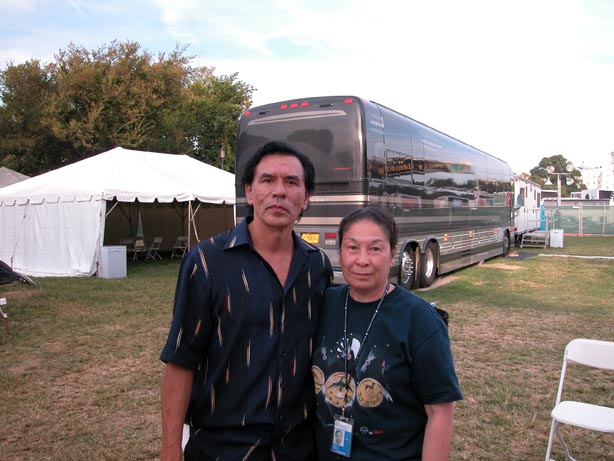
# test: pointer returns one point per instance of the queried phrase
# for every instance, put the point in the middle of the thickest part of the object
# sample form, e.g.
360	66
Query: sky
521	79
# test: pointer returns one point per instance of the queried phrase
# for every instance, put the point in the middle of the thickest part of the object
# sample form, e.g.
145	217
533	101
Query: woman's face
366	257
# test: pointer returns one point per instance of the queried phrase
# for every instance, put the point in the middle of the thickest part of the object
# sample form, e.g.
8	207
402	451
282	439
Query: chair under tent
152	251
139	248
180	247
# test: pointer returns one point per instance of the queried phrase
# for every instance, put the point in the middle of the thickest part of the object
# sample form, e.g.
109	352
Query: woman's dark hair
280	148
375	214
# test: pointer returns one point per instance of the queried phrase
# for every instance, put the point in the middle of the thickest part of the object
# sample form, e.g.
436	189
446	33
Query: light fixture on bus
294	105
330	238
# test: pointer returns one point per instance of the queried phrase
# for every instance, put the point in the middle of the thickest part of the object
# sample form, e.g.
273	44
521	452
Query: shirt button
283	354
281	418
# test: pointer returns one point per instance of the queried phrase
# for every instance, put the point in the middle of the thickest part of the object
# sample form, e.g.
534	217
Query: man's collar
240	235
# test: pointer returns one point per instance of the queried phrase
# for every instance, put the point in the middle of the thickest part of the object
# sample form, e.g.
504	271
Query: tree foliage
540	175
87	102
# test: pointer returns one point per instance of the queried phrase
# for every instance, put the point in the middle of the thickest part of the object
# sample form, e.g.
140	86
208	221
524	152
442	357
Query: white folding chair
593	353
180	247
139	247
185	436
152	251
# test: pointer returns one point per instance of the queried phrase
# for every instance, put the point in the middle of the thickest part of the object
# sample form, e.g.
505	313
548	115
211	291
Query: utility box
556	238
112	262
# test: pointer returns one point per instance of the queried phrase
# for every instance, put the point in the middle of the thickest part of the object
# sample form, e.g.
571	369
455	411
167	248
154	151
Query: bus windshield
329	136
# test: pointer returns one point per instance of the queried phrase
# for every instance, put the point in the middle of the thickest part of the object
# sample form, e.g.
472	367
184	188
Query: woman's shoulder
400	294
334	292
412	305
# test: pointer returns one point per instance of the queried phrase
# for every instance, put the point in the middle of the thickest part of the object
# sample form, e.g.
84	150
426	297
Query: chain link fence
581	219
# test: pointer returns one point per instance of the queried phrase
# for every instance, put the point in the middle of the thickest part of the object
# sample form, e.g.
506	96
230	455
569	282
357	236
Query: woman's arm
438	432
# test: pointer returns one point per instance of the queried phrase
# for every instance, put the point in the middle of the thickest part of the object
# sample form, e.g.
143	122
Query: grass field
80	375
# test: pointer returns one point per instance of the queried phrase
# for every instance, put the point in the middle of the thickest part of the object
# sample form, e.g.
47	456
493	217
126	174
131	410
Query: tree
87	102
26	141
540	175
215	111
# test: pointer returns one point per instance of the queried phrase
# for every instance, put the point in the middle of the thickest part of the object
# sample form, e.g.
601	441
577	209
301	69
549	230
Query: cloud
521	79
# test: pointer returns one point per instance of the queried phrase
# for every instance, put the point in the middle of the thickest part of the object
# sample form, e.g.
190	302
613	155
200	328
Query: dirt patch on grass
504	267
440	281
15	291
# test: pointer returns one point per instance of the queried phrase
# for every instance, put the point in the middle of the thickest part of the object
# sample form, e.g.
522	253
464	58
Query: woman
382	363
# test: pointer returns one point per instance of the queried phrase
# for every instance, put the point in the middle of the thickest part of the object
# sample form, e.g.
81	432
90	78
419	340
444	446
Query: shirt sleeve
435	378
191	326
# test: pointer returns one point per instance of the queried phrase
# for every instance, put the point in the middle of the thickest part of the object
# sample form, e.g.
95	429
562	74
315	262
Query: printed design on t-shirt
370	393
338	391
318	378
367	383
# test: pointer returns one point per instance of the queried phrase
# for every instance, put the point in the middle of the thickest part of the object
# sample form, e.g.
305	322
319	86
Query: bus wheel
407	271
506	244
428	268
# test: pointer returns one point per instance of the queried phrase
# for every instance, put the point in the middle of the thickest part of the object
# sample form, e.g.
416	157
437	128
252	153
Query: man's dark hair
279	148
375	214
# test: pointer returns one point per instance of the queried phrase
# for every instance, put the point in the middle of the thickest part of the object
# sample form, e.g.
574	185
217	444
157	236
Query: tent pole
189	222
112	208
193	215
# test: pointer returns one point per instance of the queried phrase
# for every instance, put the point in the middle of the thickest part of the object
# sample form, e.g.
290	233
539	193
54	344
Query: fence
582	219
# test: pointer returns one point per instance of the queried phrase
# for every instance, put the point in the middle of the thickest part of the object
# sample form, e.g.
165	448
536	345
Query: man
246	307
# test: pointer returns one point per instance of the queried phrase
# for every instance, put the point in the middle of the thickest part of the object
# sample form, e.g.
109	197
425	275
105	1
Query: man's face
278	192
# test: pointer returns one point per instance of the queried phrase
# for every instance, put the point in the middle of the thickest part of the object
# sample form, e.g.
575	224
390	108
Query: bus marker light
283	106
304	104
348	101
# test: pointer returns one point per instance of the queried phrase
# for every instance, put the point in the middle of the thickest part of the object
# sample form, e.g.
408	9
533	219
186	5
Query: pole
558	189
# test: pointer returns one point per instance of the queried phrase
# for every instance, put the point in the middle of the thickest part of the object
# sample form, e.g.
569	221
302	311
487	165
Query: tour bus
452	202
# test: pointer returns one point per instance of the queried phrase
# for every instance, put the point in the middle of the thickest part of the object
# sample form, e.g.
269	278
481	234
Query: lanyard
345	339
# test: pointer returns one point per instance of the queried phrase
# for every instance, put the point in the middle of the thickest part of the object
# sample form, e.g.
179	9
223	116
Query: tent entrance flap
166	220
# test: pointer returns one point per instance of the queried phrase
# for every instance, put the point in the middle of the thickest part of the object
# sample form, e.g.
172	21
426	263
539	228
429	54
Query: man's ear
248	193
306	201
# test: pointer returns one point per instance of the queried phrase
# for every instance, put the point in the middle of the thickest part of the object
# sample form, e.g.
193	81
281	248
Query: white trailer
527	200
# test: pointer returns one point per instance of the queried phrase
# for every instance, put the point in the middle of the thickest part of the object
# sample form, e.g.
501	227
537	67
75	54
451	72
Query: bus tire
506	244
428	268
407	270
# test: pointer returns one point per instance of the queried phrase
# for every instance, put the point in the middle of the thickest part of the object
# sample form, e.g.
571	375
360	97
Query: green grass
80	374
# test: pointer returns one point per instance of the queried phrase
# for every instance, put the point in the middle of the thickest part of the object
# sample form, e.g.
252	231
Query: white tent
54	224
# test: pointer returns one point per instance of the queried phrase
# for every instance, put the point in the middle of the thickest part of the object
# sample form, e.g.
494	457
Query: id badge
342	436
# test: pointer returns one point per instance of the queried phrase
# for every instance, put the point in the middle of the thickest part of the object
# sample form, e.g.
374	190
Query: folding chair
180	247
129	244
152	251
139	247
593	353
